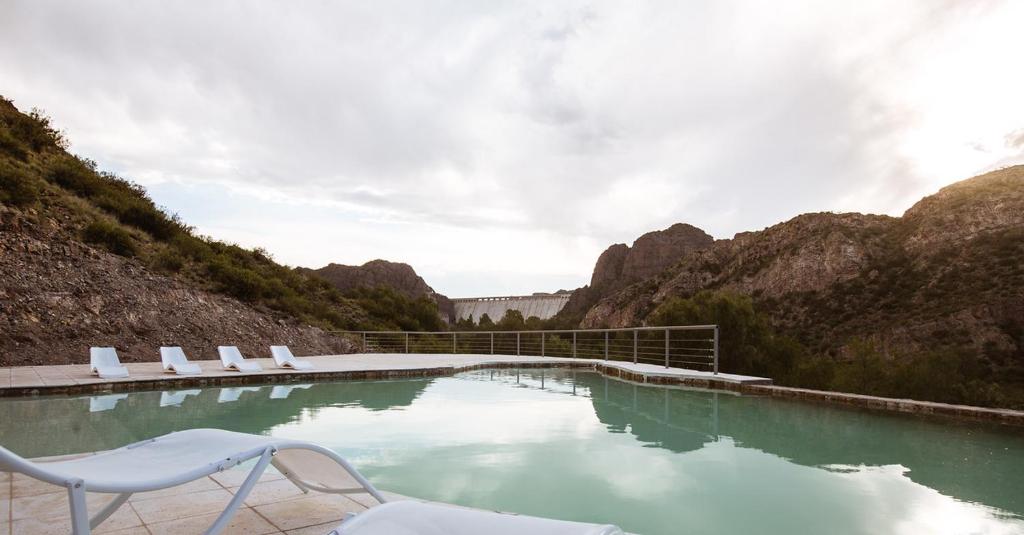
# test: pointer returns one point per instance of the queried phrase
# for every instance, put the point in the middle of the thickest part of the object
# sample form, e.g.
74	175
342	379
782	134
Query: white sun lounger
175	399
175	361
418	518
185	456
106	402
283	391
103	361
227	395
232	359
284	359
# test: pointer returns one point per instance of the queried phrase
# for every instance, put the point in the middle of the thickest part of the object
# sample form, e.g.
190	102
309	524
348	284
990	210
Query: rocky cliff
621	265
948	273
394	275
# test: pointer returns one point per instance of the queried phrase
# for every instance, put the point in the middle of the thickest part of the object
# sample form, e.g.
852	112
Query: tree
512	321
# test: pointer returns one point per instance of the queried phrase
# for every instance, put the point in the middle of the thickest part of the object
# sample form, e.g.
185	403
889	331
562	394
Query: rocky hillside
59	296
86	259
949	273
375	273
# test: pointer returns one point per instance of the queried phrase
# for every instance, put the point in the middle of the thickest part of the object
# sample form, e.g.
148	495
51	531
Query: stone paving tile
40	524
141	530
368	501
235	477
319	529
270	492
310	511
25	486
172	507
245	522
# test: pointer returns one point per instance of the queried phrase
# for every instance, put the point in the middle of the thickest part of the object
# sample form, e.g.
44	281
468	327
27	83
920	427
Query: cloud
556	126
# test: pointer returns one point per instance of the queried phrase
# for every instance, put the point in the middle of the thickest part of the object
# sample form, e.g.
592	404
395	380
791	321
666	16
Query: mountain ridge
831	253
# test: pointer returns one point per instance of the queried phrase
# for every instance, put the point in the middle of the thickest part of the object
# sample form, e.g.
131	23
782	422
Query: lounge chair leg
290	475
79	511
243	492
109	509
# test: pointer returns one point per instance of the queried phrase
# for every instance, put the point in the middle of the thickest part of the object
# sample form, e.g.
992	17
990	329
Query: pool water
580	446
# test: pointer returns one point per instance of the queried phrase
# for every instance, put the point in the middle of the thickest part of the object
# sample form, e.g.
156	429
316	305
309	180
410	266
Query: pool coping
622	370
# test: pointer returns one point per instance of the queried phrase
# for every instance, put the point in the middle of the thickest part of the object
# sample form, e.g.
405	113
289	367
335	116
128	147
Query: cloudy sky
499	147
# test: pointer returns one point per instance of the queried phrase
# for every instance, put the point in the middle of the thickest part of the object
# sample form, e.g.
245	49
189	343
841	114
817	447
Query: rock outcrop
395	275
621	265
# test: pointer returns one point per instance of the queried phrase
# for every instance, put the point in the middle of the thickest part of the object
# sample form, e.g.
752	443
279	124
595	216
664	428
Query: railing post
636	333
666	348
455	348
407	343
517	343
492	343
543	335
574	344
716	349
606	345
364	342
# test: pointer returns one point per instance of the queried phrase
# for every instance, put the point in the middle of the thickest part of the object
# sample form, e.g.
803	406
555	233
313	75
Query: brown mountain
395	275
949	273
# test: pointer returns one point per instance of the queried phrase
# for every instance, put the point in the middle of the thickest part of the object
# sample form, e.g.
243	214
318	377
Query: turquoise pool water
577	445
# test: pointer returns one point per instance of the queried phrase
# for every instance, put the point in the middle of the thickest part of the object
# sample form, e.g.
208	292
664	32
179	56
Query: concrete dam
543	306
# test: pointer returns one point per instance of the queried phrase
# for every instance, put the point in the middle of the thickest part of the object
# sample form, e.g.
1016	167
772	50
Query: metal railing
680	346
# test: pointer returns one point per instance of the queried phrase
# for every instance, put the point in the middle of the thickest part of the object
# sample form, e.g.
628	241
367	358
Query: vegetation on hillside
111	212
753	347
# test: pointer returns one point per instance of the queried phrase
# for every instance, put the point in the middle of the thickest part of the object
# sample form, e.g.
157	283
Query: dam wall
543	306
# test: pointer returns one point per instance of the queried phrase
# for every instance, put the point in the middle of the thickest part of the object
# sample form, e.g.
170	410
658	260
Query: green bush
17	188
111	237
34	129
11	146
191	247
168	259
750	347
389	309
75	175
240	282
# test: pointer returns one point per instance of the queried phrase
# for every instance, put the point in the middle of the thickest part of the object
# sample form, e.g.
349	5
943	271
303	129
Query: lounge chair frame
265	455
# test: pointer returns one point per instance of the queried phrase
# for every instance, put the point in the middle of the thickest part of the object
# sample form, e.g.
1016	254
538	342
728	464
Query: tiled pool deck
28	380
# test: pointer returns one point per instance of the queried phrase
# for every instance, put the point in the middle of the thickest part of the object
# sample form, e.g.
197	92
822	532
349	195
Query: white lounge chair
103	361
229	394
284	359
232	359
175	361
185	456
418	518
106	402
283	391
175	399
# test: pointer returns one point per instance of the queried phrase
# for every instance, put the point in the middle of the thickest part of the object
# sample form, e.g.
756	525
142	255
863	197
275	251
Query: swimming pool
581	446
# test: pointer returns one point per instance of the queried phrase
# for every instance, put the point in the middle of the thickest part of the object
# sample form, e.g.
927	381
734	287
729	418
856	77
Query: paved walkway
19	379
